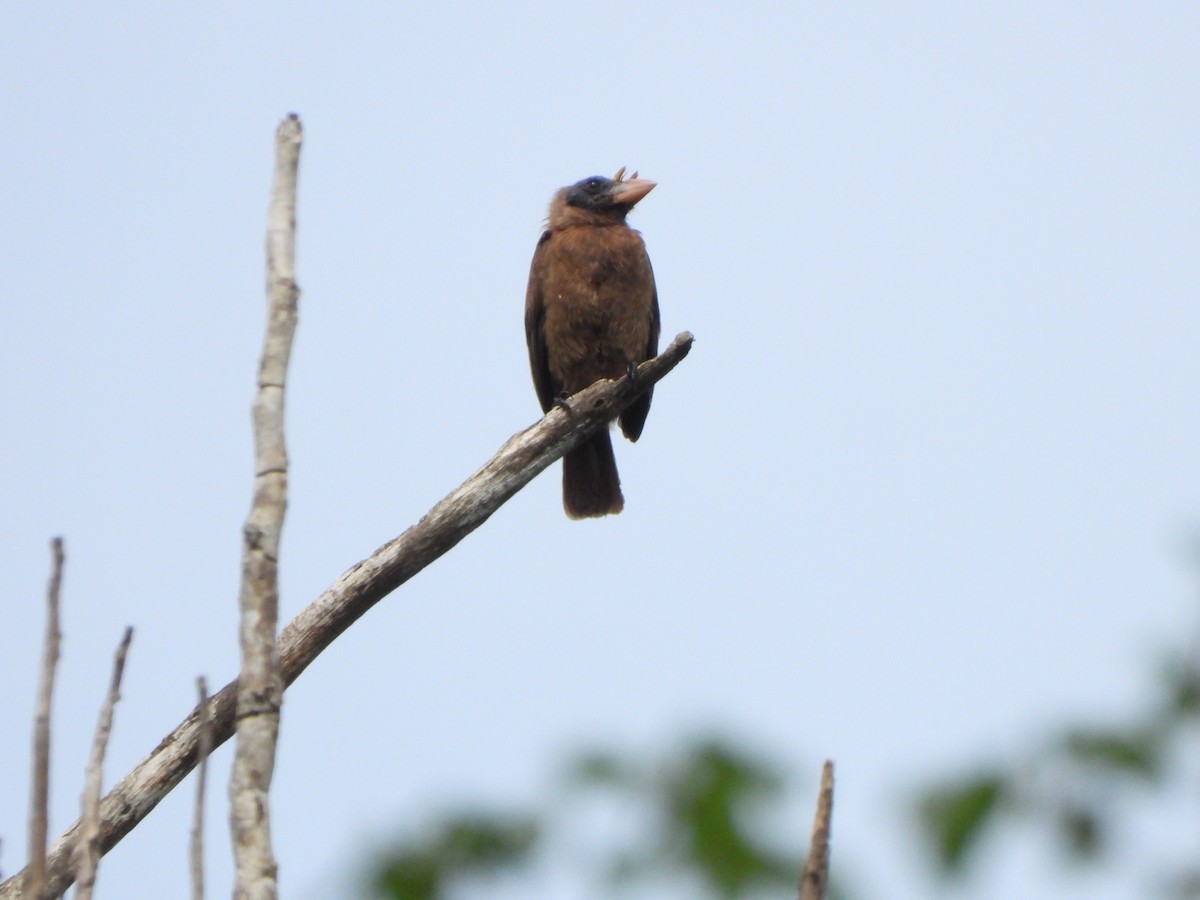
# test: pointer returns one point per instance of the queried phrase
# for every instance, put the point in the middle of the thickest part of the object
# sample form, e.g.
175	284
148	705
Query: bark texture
260	684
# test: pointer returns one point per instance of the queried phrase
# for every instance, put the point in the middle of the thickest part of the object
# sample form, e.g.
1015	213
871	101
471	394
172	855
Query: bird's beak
627	193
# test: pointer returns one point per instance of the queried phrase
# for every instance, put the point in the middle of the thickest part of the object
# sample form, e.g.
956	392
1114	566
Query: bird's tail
591	486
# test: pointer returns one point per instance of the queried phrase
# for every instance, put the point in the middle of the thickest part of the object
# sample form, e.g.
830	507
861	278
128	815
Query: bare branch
206	739
515	464
464	509
260	685
88	859
815	880
39	797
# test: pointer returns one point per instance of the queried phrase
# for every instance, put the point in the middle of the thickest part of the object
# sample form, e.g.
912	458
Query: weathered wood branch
260	684
814	882
88	858
196	844
39	792
515	464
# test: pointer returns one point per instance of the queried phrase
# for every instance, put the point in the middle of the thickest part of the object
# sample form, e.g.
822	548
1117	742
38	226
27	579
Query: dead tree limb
515	464
88	859
260	684
39	794
815	881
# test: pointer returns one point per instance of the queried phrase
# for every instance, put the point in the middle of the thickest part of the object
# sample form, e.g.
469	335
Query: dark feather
535	311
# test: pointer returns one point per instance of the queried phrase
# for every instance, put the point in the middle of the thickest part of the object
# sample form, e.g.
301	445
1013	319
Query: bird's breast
599	296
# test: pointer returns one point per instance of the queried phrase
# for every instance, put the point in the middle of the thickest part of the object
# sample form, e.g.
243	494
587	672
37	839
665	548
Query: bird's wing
634	418
535	339
655	319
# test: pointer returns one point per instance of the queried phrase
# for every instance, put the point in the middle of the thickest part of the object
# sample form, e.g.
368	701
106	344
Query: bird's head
606	199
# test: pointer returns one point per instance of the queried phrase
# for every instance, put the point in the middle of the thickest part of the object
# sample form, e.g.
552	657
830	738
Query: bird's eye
589	192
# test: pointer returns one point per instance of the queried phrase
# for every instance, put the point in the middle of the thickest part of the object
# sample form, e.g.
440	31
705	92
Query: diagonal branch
363	585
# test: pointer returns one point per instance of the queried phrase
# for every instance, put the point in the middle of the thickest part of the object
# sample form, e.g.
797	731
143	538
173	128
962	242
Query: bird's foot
561	402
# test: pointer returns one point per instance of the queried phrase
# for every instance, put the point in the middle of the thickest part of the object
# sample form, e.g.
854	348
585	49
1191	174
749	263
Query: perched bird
591	312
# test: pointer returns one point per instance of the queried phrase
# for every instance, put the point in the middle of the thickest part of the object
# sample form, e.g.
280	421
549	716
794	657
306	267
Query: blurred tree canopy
1084	783
696	816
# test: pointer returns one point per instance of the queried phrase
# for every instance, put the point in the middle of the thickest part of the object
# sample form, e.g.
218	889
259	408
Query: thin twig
39	797
514	465
206	739
815	880
88	859
260	685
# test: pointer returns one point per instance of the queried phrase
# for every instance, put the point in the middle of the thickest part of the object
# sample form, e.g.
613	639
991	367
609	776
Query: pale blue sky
919	491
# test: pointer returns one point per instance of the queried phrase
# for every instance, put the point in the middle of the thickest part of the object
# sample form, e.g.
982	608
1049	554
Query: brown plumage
591	312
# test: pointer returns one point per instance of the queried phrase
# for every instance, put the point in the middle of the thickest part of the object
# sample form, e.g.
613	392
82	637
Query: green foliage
1134	751
603	769
1181	682
704	804
1082	830
954	815
460	846
701	805
1079	783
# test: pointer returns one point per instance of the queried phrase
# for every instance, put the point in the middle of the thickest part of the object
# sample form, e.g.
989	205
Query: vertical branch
39	796
815	880
196	850
260	684
88	856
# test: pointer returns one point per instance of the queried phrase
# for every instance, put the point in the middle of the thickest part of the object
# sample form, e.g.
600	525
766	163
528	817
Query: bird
591	312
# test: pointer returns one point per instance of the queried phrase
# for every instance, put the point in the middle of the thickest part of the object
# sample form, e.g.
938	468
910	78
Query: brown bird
591	312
